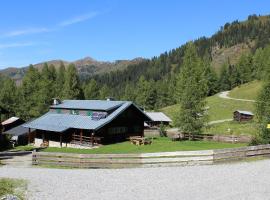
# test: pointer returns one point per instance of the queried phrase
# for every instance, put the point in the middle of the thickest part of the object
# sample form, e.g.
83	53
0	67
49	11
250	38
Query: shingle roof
61	122
158	116
89	104
244	112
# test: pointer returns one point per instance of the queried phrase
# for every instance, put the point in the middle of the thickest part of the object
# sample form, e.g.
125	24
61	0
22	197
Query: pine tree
8	95
146	93
29	94
191	90
104	92
245	68
72	89
224	78
130	93
60	80
47	86
263	112
211	79
91	90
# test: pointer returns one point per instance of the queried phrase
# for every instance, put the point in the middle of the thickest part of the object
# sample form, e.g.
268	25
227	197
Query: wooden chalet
242	116
77	123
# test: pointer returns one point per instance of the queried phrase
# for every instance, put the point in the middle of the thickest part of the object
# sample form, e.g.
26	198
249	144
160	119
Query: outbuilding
158	118
242	116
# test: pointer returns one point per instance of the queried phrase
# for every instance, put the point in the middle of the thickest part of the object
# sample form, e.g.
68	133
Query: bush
163	132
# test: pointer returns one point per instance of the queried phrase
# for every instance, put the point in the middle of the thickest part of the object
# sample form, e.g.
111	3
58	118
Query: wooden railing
85	140
178	158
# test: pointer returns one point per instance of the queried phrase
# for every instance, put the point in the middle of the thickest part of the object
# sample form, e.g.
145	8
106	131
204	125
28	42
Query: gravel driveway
248	180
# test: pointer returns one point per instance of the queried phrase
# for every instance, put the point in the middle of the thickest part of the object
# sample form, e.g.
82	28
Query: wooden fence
213	137
178	158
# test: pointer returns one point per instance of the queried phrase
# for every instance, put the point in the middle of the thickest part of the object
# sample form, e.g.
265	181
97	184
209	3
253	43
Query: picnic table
138	140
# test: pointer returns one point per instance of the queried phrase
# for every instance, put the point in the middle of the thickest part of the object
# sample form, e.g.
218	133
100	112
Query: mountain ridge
86	67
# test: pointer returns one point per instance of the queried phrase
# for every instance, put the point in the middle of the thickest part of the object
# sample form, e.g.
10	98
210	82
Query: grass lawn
245	128
218	108
247	91
161	144
15	187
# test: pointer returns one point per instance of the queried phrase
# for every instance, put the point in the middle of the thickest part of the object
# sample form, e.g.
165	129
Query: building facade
73	123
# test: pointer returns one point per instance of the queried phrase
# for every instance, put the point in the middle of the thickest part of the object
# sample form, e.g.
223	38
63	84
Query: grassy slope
218	108
246	91
159	145
223	109
236	128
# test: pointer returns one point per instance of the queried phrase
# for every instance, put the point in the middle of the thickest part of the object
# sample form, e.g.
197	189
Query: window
89	113
58	110
117	130
74	112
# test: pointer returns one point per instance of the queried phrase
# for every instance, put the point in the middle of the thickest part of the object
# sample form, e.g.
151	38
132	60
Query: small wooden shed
242	116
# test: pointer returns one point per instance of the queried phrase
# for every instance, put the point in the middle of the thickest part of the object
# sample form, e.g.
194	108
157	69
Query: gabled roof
89	104
158	116
17	131
10	120
244	112
61	122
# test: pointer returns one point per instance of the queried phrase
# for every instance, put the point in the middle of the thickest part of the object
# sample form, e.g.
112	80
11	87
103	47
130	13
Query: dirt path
224	95
247	180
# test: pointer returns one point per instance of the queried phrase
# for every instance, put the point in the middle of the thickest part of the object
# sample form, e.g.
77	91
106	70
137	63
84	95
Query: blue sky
33	31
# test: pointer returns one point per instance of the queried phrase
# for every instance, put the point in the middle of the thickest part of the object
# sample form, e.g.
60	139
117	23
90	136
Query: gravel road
247	180
225	94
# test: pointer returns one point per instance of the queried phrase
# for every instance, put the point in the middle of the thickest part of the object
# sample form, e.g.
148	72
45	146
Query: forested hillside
234	55
238	53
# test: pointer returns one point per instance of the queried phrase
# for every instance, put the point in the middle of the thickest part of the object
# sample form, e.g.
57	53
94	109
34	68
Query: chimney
56	101
110	99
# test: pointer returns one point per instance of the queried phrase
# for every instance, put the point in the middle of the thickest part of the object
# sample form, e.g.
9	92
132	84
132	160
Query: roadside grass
161	144
246	91
218	108
24	148
235	128
15	187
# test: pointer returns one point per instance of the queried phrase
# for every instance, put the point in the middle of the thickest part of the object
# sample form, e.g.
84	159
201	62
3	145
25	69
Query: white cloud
35	30
19	44
26	32
78	19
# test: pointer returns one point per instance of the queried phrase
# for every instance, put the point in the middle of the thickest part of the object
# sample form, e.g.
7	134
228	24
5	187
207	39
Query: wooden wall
178	158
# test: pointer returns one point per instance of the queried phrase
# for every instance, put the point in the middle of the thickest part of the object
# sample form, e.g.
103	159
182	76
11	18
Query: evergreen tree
211	79
72	89
245	68
191	90
47	87
91	90
60	80
104	92
130	93
146	93
224	81
29	94
263	112
8	95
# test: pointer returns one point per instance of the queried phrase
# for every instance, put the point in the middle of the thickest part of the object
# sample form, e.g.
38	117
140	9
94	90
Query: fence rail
178	158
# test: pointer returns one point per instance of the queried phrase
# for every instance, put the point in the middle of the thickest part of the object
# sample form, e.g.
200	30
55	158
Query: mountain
87	67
